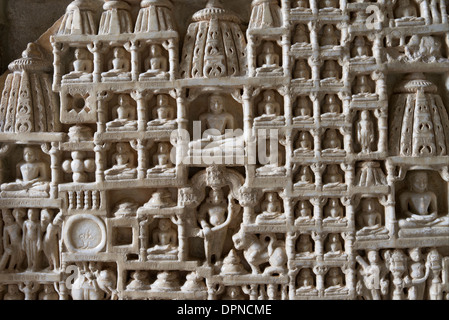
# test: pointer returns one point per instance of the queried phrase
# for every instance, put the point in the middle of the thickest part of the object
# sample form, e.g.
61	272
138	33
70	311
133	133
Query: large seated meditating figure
124	115
82	67
419	205
32	179
216	121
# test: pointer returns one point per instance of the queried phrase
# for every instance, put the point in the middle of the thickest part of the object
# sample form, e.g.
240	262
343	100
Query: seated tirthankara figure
361	50
124	115
405	10
163	114
156	64
271	210
32	179
302	5
216	121
82	67
162	161
124	163
301	37
165	239
303	212
304	178
331	107
333	247
419	205
332	145
274	166
330	71
304	144
370	221
362	86
120	66
269	60
335	283
302	70
270	110
304	246
329	37
332	178
333	212
329	4
304	110
306	283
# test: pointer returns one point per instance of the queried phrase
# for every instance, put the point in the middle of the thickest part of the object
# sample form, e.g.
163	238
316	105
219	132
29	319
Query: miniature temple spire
78	19
155	16
265	14
28	103
116	18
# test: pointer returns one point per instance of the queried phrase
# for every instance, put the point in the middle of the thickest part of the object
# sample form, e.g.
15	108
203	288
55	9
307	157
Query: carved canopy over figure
215	45
419	124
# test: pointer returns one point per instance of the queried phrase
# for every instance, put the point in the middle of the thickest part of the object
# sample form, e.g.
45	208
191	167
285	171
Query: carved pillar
96	48
347	139
318	169
134	47
350	204
248	198
349	173
142	118
103	98
143	239
100	159
320	272
56	177
425	11
316	133
248	117
377	48
390	213
251	54
319	243
58	49
173	58
63	292
286	43
141	146
443	10
4	151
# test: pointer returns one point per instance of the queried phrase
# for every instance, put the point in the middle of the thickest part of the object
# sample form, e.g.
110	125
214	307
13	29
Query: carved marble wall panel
300	154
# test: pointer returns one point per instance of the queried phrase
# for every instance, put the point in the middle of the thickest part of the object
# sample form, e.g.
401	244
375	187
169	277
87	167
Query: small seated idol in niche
335	283
124	115
274	159
271	210
269	109
331	107
332	145
163	114
140	281
120	66
215	122
304	246
329	37
333	247
32	179
82	67
304	110
156	64
268	60
365	132
370	220
162	161
333	212
306	283
362	86
302	70
329	4
330	71
405	10
303	212
333	178
302	5
304	144
304	178
165	239
361	49
124	163
419	205
301	36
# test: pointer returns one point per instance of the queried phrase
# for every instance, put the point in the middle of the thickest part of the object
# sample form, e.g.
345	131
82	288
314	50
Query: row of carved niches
30	240
402	12
422	205
115	62
415	273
